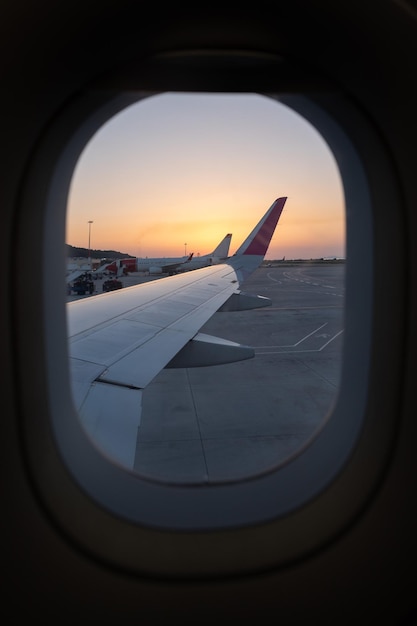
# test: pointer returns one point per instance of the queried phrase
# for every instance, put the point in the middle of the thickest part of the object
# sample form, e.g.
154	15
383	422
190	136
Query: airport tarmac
229	422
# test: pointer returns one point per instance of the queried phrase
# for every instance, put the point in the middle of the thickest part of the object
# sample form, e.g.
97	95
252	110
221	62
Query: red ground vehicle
112	284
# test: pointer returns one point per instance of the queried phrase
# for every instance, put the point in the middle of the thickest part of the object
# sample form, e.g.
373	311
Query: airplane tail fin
252	251
222	250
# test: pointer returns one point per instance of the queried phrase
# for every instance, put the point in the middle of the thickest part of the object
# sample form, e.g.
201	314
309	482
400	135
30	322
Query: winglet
259	239
249	256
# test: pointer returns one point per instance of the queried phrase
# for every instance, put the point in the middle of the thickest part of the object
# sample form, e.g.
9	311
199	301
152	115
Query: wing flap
205	350
240	301
111	416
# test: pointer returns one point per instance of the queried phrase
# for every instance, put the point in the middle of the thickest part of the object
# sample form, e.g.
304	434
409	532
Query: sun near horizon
175	173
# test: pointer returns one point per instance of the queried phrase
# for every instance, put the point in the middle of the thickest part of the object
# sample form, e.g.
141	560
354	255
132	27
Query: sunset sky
175	173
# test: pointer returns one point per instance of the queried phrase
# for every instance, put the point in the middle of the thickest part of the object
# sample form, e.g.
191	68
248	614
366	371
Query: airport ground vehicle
81	286
112	284
344	557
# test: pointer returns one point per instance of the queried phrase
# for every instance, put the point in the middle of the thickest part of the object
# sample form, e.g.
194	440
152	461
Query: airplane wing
77	273
173	267
74	275
119	341
102	268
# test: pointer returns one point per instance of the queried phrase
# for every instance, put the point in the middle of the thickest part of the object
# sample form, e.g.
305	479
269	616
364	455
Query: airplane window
194	407
236	391
154	194
177	403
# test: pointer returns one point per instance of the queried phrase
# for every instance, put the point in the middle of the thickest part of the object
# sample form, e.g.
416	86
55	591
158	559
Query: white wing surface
119	341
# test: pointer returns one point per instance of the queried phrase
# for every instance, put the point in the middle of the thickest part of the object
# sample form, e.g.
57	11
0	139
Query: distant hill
74	252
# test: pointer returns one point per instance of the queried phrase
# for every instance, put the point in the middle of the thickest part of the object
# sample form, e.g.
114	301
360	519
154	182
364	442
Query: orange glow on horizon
155	185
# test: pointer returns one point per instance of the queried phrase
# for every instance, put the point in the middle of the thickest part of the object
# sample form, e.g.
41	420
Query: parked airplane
172	265
153	265
328	538
119	342
218	255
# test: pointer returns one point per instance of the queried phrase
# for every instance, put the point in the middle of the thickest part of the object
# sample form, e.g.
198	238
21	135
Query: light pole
185	249
89	244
